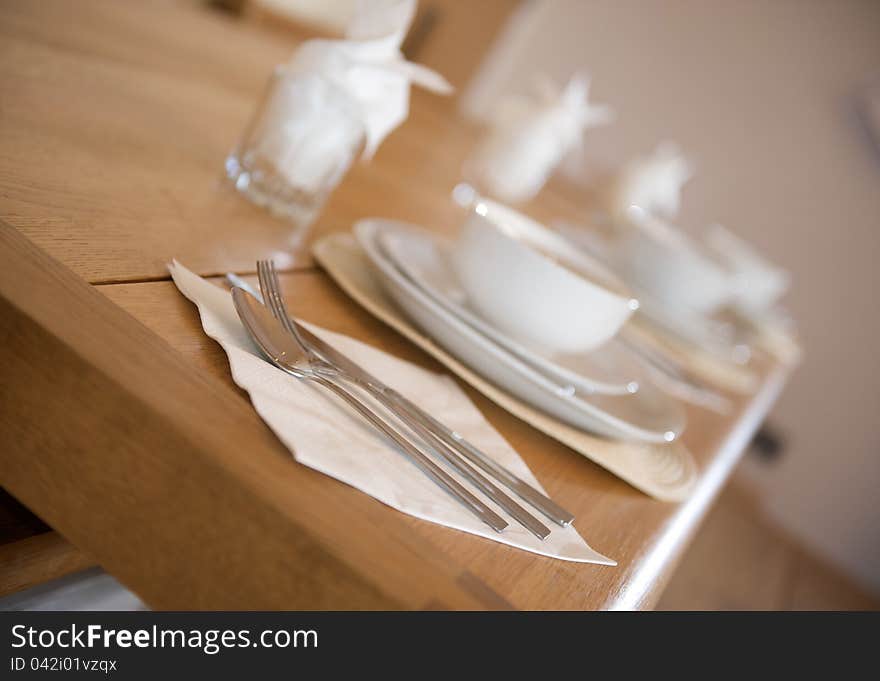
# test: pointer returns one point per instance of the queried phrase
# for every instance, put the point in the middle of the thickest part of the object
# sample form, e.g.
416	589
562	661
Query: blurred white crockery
369	66
529	136
333	100
653	183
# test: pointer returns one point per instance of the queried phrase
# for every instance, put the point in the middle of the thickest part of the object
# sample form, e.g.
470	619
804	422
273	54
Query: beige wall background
762	94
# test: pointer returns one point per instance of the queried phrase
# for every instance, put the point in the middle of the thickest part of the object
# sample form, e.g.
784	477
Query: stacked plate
537	318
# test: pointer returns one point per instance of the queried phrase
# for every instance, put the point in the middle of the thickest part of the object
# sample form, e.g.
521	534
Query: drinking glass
298	146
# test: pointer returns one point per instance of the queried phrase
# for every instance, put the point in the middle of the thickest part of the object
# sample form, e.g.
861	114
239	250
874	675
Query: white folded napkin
324	434
369	66
530	135
653	183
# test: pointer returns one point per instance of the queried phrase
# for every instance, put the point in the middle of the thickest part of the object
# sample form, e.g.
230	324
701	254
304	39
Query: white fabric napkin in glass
530	135
324	434
370	67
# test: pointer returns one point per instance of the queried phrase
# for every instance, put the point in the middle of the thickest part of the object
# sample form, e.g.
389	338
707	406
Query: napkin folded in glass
323	434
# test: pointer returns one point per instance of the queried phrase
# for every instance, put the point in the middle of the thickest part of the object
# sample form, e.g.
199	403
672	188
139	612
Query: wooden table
119	424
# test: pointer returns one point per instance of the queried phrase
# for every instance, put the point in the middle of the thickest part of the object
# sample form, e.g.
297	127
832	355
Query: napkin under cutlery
325	435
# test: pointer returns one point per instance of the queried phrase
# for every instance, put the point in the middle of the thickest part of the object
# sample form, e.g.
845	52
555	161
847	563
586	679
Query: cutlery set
295	350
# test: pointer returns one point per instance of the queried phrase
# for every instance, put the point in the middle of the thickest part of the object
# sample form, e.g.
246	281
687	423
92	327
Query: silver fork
441	435
277	345
271	290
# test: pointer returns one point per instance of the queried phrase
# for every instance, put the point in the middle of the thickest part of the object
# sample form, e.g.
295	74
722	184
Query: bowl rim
673	240
582	267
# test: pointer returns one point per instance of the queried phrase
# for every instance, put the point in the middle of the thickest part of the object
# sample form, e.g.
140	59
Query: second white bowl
670	268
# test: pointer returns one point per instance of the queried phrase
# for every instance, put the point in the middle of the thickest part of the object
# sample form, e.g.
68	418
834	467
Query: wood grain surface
170	480
114	130
115	118
37	559
16	521
644	535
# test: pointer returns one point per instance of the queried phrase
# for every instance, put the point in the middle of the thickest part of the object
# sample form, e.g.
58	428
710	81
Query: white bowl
532	284
663	263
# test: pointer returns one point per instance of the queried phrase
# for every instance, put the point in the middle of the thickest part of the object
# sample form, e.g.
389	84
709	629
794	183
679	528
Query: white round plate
648	415
424	258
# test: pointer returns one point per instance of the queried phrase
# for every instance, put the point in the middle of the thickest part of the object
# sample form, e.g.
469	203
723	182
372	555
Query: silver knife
449	437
